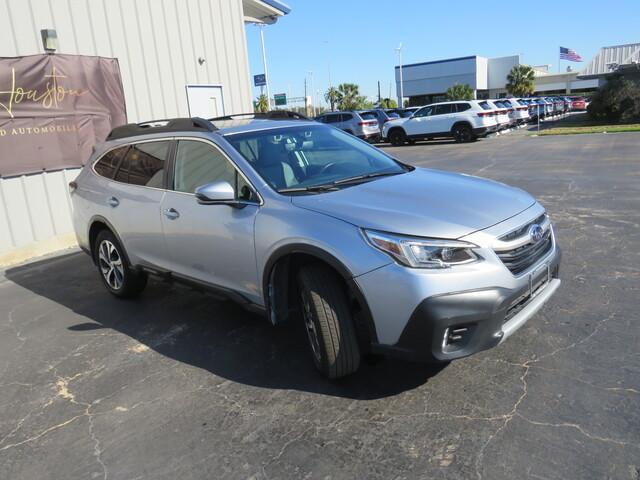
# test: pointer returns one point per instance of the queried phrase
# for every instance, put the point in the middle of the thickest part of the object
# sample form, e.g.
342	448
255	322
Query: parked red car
578	103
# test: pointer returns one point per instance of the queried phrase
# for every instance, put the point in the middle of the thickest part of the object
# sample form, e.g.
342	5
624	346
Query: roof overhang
263	11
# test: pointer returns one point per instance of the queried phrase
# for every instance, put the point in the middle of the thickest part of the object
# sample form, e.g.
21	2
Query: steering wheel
326	168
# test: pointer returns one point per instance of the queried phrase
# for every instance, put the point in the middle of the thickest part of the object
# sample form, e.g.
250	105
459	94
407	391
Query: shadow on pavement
200	330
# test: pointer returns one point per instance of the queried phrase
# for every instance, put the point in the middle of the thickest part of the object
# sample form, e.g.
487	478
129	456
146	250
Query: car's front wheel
328	321
115	271
397	137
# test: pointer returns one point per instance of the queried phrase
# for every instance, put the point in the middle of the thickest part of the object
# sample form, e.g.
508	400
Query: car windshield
407	113
312	158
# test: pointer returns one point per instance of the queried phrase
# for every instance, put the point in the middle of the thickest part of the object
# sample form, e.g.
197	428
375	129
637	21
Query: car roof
232	127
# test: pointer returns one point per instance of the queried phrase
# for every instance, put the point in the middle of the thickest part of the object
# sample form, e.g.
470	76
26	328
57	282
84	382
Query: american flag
568	54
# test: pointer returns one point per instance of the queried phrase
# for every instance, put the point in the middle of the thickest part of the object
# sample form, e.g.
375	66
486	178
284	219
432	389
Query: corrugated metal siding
620	54
157	42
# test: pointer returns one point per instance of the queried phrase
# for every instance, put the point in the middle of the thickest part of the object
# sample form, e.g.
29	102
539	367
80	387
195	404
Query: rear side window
144	164
461	107
332	119
107	165
346	117
444	109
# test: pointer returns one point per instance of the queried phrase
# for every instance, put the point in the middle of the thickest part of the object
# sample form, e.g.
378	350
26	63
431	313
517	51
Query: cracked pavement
181	385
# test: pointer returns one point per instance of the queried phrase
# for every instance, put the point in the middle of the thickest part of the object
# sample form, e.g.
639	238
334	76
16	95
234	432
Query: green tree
459	92
618	100
333	97
388	103
261	105
350	97
521	81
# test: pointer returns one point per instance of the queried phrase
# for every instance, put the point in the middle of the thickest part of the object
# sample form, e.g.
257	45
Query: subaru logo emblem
535	232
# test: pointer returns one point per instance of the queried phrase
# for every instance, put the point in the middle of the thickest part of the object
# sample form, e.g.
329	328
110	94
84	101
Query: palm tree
388	103
333	97
351	98
521	81
459	92
262	104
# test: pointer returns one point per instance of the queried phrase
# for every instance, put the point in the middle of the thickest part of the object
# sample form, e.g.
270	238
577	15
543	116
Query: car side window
199	163
443	109
332	119
109	162
461	107
346	117
144	164
423	112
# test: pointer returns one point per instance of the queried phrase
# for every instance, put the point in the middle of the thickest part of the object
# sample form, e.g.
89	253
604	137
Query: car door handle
113	202
171	213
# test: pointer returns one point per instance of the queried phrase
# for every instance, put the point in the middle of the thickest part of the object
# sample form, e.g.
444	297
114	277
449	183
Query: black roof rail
272	115
169	125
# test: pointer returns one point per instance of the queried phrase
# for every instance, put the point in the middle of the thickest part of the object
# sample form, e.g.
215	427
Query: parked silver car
363	125
304	222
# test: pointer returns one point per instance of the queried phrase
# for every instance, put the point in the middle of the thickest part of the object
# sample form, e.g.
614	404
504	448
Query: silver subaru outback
307	223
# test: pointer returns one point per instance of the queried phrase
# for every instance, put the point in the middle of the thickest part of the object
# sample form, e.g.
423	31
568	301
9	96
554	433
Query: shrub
617	101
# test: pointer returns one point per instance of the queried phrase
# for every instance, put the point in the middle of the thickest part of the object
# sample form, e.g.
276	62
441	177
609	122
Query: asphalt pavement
182	385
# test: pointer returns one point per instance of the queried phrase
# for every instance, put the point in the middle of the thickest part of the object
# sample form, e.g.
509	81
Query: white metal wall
157	42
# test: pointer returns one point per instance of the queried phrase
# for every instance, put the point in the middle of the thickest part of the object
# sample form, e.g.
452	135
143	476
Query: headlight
423	252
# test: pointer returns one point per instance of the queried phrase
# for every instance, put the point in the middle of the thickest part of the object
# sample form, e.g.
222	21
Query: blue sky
356	39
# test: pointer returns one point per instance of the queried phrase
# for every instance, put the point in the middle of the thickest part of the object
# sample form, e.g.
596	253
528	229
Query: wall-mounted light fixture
49	40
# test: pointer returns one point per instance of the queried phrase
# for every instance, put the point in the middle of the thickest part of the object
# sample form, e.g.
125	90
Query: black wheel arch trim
100	219
337	265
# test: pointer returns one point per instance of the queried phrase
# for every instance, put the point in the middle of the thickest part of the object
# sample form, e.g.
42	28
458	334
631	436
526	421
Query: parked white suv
464	121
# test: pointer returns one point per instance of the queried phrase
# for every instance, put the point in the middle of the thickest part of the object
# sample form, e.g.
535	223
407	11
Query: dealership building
159	59
427	82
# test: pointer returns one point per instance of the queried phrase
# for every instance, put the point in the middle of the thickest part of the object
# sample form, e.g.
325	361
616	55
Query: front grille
521	258
523	229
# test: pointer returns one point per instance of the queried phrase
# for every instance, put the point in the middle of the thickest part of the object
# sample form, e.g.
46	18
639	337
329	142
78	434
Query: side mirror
216	193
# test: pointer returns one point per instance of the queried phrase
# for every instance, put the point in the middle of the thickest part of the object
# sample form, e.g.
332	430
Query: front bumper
418	315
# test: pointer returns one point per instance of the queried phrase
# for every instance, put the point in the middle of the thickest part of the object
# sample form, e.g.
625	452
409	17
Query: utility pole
379	97
264	63
401	99
306	106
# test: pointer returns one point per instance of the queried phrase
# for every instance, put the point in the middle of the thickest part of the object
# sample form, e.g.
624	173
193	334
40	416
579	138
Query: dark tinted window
484	105
346	117
199	163
461	107
368	116
444	109
109	162
144	164
332	118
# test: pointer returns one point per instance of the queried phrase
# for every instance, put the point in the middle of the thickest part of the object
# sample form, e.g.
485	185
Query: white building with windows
177	58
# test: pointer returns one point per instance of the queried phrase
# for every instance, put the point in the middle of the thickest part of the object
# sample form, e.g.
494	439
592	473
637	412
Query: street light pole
399	50
264	63
313	100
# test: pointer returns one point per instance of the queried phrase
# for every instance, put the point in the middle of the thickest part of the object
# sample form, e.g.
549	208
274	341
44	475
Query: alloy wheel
111	266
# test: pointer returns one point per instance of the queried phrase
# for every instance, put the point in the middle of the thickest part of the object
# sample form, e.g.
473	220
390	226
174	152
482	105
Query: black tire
328	321
397	137
123	282
462	133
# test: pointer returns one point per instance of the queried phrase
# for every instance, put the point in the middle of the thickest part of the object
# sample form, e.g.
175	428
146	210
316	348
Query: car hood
425	203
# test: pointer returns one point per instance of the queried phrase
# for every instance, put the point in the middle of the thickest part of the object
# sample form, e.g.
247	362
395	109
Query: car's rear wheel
462	133
328	321
397	137
115	271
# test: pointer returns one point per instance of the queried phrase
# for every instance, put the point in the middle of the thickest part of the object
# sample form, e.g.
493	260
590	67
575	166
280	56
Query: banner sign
55	108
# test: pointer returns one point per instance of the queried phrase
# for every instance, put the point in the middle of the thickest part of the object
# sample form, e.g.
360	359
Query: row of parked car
462	120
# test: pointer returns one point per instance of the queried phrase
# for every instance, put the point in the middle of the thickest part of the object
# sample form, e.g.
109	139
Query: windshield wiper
313	188
367	176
